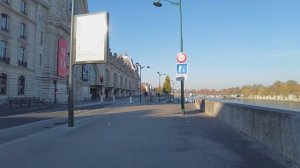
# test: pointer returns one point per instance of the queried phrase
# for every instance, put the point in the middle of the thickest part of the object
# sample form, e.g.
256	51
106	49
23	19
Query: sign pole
181	49
70	86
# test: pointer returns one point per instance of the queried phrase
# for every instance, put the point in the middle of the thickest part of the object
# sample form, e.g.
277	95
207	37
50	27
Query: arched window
3	83
21	85
92	74
107	77
129	84
115	80
121	82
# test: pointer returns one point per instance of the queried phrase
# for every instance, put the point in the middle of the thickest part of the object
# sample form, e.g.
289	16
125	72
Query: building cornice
16	12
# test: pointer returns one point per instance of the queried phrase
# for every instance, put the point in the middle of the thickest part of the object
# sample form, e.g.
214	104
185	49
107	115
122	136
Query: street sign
181	72
181	57
182	69
181	78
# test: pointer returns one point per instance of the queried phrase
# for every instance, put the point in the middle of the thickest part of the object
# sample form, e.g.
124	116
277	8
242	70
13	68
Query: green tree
167	85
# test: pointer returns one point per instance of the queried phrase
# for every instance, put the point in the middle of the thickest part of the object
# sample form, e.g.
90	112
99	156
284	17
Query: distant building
120	76
147	87
32	35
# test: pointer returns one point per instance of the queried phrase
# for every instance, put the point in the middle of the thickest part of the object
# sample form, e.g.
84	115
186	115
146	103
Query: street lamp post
159	75
179	4
141	67
70	79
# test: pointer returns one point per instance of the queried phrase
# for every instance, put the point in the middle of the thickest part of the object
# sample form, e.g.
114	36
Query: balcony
5	29
22	63
5	60
23	37
24	12
6	2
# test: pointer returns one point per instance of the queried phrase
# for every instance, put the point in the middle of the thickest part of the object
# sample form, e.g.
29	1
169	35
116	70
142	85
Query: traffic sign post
181	74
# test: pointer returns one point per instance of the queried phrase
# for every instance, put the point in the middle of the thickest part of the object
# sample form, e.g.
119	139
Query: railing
27	101
4	29
6	1
22	63
5	60
23	37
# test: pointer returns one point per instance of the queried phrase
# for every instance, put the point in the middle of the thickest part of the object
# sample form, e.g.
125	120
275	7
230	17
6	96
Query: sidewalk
146	136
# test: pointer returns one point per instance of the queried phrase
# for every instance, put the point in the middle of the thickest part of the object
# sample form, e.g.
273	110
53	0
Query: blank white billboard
91	38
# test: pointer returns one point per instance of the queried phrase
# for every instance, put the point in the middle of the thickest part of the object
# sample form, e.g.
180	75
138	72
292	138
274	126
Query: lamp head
148	66
157	3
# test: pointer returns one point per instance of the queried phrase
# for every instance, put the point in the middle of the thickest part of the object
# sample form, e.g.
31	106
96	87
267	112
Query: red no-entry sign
181	57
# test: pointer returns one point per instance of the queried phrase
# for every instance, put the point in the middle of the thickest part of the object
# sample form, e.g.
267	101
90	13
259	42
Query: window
3	49
3	52
40	59
4	22
41	42
92	74
22	54
23	31
23	7
22	57
3	83
21	85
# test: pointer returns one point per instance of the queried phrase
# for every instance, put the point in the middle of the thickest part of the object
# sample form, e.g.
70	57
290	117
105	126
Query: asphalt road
30	115
141	136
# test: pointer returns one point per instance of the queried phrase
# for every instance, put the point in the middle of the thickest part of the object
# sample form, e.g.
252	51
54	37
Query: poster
85	72
62	70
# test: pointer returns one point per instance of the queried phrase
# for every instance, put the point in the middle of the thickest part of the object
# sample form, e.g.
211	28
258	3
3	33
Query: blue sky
229	43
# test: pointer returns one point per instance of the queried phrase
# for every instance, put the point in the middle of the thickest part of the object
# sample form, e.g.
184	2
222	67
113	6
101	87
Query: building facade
30	41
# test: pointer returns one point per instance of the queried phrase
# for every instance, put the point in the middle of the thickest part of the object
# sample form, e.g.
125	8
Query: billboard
91	38
62	70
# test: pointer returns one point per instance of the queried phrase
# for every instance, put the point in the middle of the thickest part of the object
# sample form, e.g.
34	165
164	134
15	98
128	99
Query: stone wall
277	129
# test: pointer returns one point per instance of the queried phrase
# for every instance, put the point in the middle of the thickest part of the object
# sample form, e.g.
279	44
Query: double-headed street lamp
159	75
141	67
178	4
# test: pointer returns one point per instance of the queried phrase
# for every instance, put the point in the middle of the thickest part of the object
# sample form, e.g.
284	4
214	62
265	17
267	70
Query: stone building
30	37
120	76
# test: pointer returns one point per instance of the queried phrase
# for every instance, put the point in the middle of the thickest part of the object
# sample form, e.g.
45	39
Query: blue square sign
182	69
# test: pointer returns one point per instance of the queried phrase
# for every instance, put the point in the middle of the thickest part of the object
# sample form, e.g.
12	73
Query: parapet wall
277	129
